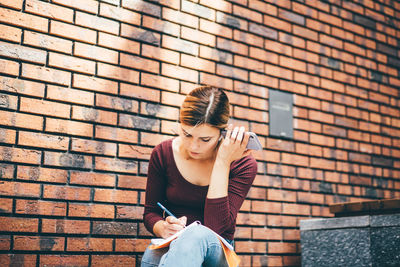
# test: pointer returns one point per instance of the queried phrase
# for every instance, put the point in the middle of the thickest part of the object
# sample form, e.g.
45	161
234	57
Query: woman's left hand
233	146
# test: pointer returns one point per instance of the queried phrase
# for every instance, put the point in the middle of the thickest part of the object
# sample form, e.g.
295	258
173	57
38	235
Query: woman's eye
205	140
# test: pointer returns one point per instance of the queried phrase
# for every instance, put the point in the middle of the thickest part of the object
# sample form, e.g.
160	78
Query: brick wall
89	87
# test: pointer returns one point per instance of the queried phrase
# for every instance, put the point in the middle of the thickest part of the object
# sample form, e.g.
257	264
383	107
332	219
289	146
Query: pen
165	209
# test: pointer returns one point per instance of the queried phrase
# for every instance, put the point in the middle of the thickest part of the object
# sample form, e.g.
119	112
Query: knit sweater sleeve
220	213
155	189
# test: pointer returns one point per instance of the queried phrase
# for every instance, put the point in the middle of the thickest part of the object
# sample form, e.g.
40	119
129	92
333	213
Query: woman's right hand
169	226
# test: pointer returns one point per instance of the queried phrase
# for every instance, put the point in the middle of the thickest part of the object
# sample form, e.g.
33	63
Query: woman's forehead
201	129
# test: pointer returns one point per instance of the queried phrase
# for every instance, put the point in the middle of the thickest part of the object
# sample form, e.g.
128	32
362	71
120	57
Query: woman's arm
226	194
233	147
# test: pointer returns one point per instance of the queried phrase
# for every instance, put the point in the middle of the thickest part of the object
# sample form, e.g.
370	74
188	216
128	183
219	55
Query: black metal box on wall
280	114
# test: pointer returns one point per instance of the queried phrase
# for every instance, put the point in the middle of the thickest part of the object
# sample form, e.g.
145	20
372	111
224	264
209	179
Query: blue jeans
198	246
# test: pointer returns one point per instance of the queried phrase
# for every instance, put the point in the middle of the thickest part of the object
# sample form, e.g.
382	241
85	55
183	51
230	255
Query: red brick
143	7
20	155
21	120
70	95
46	74
277	47
139	63
215	29
40	207
196	63
116	165
91	178
292	63
39	243
94	115
18	260
140	34
263	55
124	74
162	26
322	163
295	209
135	245
179	17
7	172
48	42
66	192
294	159
90	6
69	127
91	210
64	260
232	46
14	224
117	103
256	115
159	82
95	52
131	151
160	54
62	226
116	260
95	84
73	32
215	55
178	72
232	72
49	10
89	244
250	247
23	20
119	43
254	219
263	80
43	140
277	71
292	40
22	53
330	19
274	22
129	212
116	134
113	195
306	56
222	5
132	182
152	139
67	160
119	13
281	195
45	107
10	33
42	174
9	101
96	23
5	243
280	220
17	4
93	147
293	87
72	63
247	13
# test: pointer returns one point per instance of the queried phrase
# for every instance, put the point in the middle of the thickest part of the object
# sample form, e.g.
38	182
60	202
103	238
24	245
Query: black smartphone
254	142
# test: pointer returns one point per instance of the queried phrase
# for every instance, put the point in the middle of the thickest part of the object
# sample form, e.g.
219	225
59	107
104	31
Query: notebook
232	258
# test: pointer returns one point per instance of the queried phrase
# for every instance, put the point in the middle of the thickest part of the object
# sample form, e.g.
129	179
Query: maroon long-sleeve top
166	185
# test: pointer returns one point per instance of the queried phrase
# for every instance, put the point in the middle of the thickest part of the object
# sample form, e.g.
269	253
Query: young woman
198	176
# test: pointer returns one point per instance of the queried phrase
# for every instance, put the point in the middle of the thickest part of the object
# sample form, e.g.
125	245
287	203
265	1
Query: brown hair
205	104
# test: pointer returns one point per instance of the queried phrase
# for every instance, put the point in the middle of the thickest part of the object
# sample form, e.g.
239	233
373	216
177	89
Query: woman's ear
223	133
